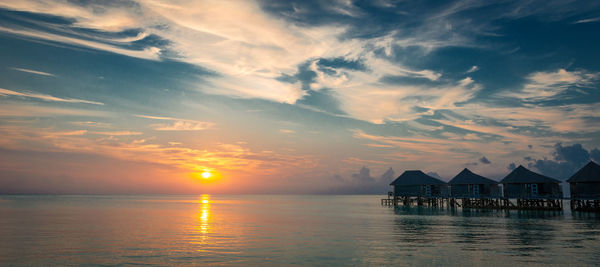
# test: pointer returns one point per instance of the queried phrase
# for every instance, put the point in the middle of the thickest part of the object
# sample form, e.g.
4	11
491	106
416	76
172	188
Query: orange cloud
226	158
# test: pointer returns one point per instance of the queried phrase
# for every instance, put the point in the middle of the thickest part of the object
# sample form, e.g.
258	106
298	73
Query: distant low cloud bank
566	161
363	183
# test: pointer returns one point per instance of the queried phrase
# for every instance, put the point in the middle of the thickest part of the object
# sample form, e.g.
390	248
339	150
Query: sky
118	97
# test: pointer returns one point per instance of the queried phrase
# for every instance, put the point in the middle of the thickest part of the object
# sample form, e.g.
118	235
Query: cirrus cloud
177	124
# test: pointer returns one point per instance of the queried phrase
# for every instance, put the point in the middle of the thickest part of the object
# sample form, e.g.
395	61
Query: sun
205	175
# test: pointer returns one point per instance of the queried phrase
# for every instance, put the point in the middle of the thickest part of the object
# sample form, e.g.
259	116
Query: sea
284	230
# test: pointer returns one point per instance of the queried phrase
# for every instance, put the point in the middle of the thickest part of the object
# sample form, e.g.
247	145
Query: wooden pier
419	201
585	205
484	203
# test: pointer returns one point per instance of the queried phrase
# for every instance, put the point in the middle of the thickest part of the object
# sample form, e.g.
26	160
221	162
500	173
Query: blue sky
292	96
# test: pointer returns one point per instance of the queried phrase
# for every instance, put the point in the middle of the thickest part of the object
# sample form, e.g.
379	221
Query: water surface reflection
283	230
204	216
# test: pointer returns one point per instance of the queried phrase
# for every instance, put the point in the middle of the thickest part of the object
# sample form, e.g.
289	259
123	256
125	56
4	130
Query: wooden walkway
585	205
480	203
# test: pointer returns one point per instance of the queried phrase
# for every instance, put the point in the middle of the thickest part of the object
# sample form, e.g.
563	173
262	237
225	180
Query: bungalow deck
478	203
585	205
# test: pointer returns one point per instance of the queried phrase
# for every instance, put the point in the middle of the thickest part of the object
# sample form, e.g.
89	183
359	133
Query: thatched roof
589	173
521	175
416	178
468	177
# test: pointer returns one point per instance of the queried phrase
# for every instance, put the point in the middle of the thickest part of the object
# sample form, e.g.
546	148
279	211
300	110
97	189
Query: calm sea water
284	230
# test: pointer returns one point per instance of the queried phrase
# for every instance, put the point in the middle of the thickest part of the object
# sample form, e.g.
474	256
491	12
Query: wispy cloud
587	20
6	92
250	48
155	117
147	53
287	131
472	69
20	109
118	133
34	72
418	146
92	124
69	133
546	85
396	102
182	126
178	124
379	145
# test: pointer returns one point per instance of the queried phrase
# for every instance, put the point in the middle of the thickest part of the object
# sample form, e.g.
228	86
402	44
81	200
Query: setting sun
206	175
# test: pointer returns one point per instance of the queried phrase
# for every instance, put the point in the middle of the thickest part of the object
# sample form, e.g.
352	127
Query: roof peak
466	176
592	163
588	173
416	177
524	175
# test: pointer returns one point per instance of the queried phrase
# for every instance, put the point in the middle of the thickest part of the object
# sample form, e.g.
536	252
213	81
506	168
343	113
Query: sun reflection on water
204	224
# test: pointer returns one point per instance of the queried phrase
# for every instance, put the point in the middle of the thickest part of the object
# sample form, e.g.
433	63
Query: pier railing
534	203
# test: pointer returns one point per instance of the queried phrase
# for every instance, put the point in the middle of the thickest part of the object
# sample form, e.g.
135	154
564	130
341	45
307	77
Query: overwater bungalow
418	184
532	191
585	183
467	184
585	188
522	183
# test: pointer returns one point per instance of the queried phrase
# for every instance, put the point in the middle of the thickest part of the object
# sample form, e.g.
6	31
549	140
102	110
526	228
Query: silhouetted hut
467	184
585	183
418	184
523	183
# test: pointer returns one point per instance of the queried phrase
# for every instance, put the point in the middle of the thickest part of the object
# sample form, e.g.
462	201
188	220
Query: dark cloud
567	160
484	160
554	169
511	166
575	154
